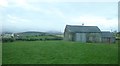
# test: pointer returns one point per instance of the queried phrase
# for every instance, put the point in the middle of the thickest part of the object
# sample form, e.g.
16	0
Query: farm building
82	33
86	34
8	35
108	37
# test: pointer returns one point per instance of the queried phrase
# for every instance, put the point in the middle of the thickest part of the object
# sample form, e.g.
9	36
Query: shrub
8	39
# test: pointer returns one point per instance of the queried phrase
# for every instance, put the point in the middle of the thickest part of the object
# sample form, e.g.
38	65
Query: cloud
3	3
25	3
49	14
90	20
19	2
58	12
29	5
14	3
55	1
12	17
16	20
16	23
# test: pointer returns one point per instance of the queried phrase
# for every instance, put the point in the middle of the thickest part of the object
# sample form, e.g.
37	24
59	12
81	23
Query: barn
82	33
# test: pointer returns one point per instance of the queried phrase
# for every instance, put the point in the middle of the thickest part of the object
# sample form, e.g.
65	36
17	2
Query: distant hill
55	32
32	32
28	33
6	32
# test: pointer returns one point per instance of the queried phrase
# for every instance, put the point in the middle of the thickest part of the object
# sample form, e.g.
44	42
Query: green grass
59	52
0	53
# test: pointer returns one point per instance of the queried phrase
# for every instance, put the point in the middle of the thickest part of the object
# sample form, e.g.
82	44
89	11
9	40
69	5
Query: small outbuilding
108	37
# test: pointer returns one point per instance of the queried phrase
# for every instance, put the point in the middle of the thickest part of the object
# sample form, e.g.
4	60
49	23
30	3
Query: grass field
0	53
59	52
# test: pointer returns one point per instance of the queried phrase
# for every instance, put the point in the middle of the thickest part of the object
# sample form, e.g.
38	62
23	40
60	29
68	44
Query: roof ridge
81	25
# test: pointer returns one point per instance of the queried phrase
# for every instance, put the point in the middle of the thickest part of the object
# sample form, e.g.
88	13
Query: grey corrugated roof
75	28
107	34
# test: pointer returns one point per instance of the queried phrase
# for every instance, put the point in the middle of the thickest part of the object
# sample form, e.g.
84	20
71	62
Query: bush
8	39
52	37
56	38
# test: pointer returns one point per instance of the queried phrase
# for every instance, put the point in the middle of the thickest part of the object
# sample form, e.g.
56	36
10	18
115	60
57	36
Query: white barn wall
80	37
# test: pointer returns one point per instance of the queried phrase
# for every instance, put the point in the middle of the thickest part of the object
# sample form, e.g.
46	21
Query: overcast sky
53	15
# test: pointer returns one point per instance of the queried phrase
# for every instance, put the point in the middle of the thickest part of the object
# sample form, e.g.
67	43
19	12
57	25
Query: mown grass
59	52
0	53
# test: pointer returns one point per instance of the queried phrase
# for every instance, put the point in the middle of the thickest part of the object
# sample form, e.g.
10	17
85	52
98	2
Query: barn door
81	37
